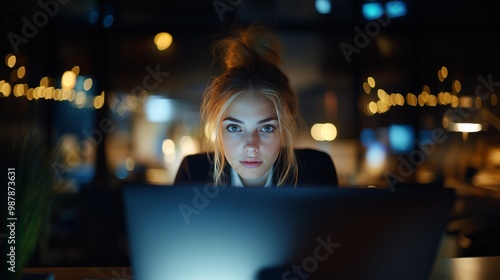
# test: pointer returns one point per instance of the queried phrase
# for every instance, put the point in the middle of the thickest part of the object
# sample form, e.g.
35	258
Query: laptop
207	232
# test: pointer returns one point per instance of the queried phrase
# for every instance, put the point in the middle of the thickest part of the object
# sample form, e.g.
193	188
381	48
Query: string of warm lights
386	101
70	81
47	90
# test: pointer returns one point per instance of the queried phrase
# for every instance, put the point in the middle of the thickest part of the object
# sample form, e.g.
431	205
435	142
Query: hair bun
247	43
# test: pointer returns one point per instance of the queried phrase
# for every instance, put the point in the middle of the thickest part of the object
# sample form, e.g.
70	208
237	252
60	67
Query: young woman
250	116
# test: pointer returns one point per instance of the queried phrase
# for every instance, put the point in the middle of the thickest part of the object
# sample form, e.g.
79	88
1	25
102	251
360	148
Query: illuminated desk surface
476	268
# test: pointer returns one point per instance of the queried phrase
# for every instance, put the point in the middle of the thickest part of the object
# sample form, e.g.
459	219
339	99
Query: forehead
251	105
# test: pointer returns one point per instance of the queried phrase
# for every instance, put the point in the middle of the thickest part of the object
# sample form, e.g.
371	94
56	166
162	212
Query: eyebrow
259	122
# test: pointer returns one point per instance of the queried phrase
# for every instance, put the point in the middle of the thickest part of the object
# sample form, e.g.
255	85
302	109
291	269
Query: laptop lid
283	233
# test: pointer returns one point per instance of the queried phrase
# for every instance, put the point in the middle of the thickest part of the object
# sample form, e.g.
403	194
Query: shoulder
201	161
316	167
194	168
309	153
311	158
200	158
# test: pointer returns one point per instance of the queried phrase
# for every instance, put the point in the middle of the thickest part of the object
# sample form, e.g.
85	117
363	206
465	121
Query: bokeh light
324	132
87	84
21	72
10	60
163	40
68	80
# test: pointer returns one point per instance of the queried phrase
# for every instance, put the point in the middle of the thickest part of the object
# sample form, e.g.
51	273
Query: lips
251	163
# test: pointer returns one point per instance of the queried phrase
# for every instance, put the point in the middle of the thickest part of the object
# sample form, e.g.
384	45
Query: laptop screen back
283	233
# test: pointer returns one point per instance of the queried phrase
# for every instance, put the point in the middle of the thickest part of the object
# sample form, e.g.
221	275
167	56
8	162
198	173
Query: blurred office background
397	92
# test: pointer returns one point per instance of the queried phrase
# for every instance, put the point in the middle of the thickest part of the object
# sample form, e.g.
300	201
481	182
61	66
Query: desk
81	273
477	268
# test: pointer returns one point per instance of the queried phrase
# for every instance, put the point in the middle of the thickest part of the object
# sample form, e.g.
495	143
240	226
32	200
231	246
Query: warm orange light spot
68	80
10	60
163	40
371	82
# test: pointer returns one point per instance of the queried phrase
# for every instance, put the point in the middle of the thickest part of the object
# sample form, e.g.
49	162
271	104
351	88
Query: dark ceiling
460	34
125	49
177	13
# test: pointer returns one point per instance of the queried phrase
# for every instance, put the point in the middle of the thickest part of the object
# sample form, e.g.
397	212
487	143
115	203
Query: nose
252	144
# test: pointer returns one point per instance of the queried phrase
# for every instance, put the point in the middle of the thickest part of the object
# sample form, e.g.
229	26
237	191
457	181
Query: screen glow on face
251	137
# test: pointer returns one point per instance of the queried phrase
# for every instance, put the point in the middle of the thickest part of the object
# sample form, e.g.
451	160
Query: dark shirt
315	168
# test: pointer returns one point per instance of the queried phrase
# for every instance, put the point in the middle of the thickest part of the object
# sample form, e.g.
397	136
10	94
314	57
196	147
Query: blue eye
268	129
233	128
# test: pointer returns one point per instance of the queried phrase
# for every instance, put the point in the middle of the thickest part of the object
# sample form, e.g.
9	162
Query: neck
259	182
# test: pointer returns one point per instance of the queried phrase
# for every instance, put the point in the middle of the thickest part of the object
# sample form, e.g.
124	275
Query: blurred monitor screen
401	138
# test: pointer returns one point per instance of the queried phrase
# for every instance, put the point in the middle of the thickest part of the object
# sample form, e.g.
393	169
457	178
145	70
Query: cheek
230	144
230	139
271	141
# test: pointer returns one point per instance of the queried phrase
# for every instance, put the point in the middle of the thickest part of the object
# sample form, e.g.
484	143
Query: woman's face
251	137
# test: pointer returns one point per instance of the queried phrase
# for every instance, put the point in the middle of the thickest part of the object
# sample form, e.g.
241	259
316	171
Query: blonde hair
251	59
